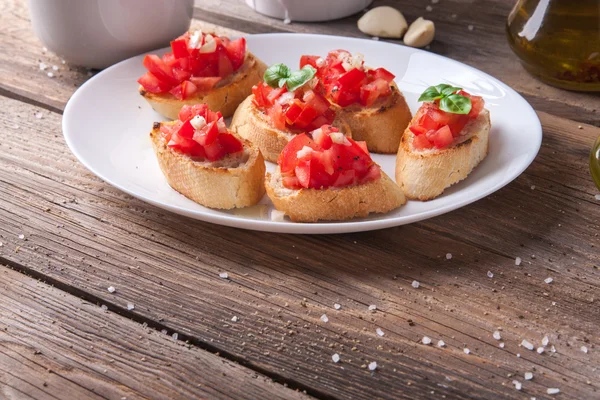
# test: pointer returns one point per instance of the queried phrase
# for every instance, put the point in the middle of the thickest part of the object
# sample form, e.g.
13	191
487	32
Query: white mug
99	33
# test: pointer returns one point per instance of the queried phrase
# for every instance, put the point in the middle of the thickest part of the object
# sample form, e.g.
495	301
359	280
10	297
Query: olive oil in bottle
558	41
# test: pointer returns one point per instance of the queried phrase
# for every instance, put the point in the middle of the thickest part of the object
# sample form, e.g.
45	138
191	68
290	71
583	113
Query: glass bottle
558	41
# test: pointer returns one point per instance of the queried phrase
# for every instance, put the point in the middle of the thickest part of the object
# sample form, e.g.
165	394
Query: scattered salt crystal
448	256
380	333
372	307
496	335
548	280
553	349
528	376
50	75
234	319
501	345
429	8
375	37
518	355
545	341
597	197
111	289
532	187
553	391
373	366
584	349
287	21
553	303
467	351
441	343
1	244
337	306
335	358
38	115
518	261
164	332
324	318
44	49
43	66
175	336
104	307
490	274
415	284
540	350
470	27
224	275
21	236
517	384
130	306
63	61
527	345
426	340
55	67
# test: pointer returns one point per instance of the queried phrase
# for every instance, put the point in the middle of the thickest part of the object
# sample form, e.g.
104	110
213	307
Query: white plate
106	125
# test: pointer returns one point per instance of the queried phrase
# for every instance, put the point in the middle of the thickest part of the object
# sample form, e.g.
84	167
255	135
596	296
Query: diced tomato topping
187	63
322	161
434	127
346	87
207	142
184	91
304	109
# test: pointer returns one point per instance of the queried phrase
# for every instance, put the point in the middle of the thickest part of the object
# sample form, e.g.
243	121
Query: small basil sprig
278	75
449	101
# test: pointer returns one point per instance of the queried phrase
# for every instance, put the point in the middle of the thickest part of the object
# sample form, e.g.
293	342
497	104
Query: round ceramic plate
106	124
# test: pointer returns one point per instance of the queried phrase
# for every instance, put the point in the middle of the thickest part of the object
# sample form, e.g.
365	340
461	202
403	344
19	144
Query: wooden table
167	330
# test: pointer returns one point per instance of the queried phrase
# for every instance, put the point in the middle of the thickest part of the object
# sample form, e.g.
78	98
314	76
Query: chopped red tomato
302	109
435	128
327	159
205	137
345	80
193	57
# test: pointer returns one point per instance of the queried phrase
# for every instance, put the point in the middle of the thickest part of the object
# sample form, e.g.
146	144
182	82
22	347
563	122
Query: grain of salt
528	376
50	75
441	343
496	335
415	284
448	256
429	8
224	275
55	67
584	349
597	197
553	391
517	384
337	306
501	345
373	366
372	307
379	332
234	319
175	336
324	318
548	280
470	27
39	115
518	261
111	289
490	274
21	236
43	66
287	21
130	306
335	358
467	351
540	350
527	345
426	340
545	341
104	307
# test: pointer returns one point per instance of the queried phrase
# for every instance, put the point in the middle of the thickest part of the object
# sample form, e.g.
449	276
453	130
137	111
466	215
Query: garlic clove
420	33
383	21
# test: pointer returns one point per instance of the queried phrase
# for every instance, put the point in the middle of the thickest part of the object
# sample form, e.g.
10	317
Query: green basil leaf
448	90
299	78
456	104
275	73
430	94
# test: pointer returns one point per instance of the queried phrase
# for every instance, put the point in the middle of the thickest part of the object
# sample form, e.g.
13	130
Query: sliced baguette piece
224	97
424	175
334	204
235	181
380	125
252	124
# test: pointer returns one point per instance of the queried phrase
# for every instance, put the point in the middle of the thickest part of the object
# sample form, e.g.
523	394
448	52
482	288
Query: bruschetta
445	141
200	69
207	163
281	107
367	99
324	175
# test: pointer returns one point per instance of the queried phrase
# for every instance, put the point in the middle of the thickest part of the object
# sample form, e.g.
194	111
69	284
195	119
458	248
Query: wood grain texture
54	345
86	236
485	46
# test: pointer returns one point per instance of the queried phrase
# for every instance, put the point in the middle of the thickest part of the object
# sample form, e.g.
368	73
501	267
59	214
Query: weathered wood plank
485	48
56	346
88	236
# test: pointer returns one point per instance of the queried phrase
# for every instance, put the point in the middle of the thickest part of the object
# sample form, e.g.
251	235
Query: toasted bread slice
334	204
224	97
380	125
424	175
252	124
233	182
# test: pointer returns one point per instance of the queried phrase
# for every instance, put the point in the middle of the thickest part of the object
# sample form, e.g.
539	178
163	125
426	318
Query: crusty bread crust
252	124
380	125
424	175
240	185
334	204
224	97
